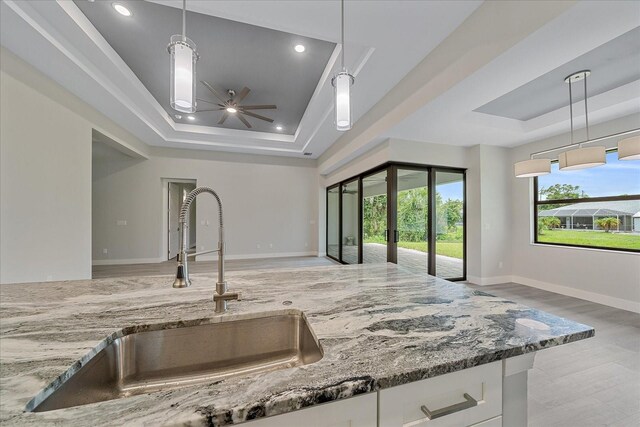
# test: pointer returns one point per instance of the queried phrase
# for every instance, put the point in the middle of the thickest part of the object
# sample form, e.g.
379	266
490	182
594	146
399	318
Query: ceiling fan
230	104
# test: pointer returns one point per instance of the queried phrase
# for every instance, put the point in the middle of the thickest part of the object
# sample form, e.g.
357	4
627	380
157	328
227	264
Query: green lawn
591	238
450	249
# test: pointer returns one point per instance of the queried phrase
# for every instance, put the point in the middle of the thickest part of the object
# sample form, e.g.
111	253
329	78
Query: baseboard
579	293
127	261
486	281
214	257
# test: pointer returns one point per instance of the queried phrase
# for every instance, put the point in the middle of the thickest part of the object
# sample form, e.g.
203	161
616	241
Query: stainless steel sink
149	361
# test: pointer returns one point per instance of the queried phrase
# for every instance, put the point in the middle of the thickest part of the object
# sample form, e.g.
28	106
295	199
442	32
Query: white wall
270	205
45	187
607	277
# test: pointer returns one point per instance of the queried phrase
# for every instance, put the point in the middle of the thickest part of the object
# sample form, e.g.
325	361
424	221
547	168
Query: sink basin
178	356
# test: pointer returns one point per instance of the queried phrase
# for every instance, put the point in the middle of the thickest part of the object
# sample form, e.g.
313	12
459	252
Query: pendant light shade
582	158
629	148
183	74
342	94
182	92
532	167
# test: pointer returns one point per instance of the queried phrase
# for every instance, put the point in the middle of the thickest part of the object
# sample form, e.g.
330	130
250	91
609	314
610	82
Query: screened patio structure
584	216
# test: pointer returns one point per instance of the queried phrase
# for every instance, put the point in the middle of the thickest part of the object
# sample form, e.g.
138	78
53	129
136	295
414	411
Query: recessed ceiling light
122	10
178	116
231	110
191	118
278	127
300	48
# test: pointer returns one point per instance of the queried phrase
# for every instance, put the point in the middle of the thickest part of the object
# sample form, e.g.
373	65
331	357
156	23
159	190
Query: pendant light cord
571	110
184	20
341	30
586	114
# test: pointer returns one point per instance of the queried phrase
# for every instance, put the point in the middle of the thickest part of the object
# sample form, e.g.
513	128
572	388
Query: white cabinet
490	395
359	411
470	396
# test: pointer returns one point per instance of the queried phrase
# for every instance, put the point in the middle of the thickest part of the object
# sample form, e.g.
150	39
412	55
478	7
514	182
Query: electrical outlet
306	245
49	278
202	248
500	264
258	246
271	245
105	251
121	222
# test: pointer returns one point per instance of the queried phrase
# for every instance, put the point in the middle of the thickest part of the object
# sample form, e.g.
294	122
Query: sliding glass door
333	222
412	219
411	215
374	218
350	241
449	224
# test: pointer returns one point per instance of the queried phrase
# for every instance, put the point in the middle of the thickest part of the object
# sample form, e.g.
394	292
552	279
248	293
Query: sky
615	178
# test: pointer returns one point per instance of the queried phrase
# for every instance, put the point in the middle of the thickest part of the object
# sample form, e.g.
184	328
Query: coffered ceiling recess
232	55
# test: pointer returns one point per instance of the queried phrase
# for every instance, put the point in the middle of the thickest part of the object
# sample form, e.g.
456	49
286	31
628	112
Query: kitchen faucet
221	296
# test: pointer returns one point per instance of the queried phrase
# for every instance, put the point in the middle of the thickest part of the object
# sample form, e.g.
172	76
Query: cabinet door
493	422
401	406
360	411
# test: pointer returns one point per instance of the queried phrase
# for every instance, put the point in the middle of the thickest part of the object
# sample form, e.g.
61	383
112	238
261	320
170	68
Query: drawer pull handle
469	402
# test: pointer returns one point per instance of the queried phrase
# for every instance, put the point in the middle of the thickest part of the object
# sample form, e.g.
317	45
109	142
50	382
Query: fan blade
257	116
210	102
215	92
210	109
258	107
240	96
223	118
243	120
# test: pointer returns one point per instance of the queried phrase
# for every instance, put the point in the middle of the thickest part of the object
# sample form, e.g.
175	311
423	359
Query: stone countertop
379	325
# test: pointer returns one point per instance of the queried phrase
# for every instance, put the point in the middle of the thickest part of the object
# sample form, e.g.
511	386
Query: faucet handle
227	296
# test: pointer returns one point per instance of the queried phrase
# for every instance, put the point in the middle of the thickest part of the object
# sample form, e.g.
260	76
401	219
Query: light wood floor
594	382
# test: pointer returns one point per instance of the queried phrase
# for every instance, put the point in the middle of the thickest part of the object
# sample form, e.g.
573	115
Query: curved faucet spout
182	275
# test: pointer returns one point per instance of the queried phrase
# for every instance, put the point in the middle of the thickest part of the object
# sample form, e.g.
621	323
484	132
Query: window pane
449	224
374	218
332	222
350	197
413	216
596	224
616	178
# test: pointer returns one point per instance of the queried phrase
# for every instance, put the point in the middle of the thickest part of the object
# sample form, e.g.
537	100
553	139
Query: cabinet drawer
493	422
359	411
401	406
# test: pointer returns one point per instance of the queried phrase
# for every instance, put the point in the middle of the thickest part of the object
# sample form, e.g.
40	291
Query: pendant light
629	148
342	83
532	167
581	157
183	69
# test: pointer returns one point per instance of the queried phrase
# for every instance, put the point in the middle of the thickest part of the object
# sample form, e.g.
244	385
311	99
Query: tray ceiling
232	55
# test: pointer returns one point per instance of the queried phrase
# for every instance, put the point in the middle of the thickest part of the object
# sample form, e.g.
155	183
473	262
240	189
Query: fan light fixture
231	110
629	148
183	69
342	83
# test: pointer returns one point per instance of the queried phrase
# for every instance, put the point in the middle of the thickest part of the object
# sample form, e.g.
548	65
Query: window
596	207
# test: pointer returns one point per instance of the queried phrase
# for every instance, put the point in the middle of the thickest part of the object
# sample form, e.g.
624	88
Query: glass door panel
350	222
449	224
333	218
413	219
374	218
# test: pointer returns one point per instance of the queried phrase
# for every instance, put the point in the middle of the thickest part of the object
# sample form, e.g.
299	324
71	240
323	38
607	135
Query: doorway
177	192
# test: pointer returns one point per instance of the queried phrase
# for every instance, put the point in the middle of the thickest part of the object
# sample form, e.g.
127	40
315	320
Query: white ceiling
385	41
588	26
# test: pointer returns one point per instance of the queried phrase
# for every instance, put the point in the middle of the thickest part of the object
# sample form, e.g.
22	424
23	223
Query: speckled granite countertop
379	326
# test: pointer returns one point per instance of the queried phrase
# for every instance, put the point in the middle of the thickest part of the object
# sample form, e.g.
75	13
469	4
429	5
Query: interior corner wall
607	277
45	187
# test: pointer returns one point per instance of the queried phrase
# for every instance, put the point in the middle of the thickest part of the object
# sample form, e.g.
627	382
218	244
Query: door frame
164	211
